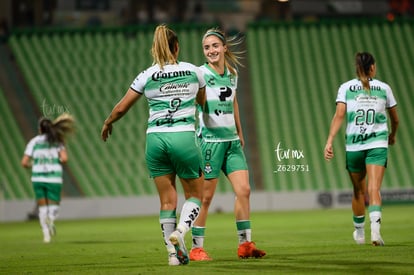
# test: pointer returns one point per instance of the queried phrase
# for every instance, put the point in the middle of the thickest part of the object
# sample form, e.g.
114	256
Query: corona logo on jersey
160	74
356	88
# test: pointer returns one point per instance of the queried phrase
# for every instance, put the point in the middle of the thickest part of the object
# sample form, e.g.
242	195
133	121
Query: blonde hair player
45	154
221	140
171	88
363	103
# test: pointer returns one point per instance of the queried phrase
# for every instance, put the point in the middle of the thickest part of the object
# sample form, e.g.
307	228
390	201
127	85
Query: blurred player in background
221	139
45	154
171	88
363	102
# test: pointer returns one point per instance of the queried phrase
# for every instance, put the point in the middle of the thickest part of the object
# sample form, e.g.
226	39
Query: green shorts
356	161
173	153
45	190
227	156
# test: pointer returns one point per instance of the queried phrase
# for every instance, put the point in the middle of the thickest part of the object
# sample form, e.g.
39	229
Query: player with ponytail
363	103
365	64
45	154
171	147
221	140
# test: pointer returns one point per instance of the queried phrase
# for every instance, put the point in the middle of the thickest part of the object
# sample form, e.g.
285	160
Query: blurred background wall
231	13
80	56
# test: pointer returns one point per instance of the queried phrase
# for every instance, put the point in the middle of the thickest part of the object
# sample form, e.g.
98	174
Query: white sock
53	211
375	217
189	214
244	235
244	231
359	223
43	220
168	221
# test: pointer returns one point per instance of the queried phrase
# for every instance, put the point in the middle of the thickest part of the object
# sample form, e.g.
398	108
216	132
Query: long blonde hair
363	62
57	130
164	46
231	58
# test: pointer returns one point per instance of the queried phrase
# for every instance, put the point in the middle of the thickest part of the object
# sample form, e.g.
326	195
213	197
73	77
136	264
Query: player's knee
243	192
207	200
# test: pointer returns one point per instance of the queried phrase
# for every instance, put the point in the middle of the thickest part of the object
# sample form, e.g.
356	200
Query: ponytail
164	46
363	62
57	130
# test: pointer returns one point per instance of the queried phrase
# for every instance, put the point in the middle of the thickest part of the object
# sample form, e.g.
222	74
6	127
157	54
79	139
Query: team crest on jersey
211	81
207	168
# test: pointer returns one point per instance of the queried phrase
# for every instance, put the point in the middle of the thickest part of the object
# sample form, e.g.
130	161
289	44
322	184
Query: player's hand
106	131
328	152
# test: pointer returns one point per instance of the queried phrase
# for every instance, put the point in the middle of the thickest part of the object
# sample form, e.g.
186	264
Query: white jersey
171	94
217	122
366	113
46	165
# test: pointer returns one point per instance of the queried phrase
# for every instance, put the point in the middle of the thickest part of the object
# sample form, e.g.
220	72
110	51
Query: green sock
373	208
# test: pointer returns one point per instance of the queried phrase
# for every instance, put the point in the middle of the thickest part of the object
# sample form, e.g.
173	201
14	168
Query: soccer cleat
359	236
248	249
199	254
173	260
46	235
178	241
376	239
46	239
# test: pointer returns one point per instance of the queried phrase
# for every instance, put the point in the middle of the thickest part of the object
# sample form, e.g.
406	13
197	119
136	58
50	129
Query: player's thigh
377	156
54	193
39	190
355	161
156	155
213	154
235	160
185	155
49	192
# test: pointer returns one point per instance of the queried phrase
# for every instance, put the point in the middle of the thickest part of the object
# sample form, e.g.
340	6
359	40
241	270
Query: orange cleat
199	254
248	249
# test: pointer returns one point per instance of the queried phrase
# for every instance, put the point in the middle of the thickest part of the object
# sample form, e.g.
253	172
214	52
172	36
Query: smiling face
214	50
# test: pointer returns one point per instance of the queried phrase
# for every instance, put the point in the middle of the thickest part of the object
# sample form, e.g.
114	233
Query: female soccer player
222	143
45	154
363	102
171	88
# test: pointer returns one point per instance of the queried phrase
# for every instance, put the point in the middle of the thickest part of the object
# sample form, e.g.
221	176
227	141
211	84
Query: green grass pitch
296	242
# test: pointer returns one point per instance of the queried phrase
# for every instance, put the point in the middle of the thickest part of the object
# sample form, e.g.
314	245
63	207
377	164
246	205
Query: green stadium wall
85	73
294	71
